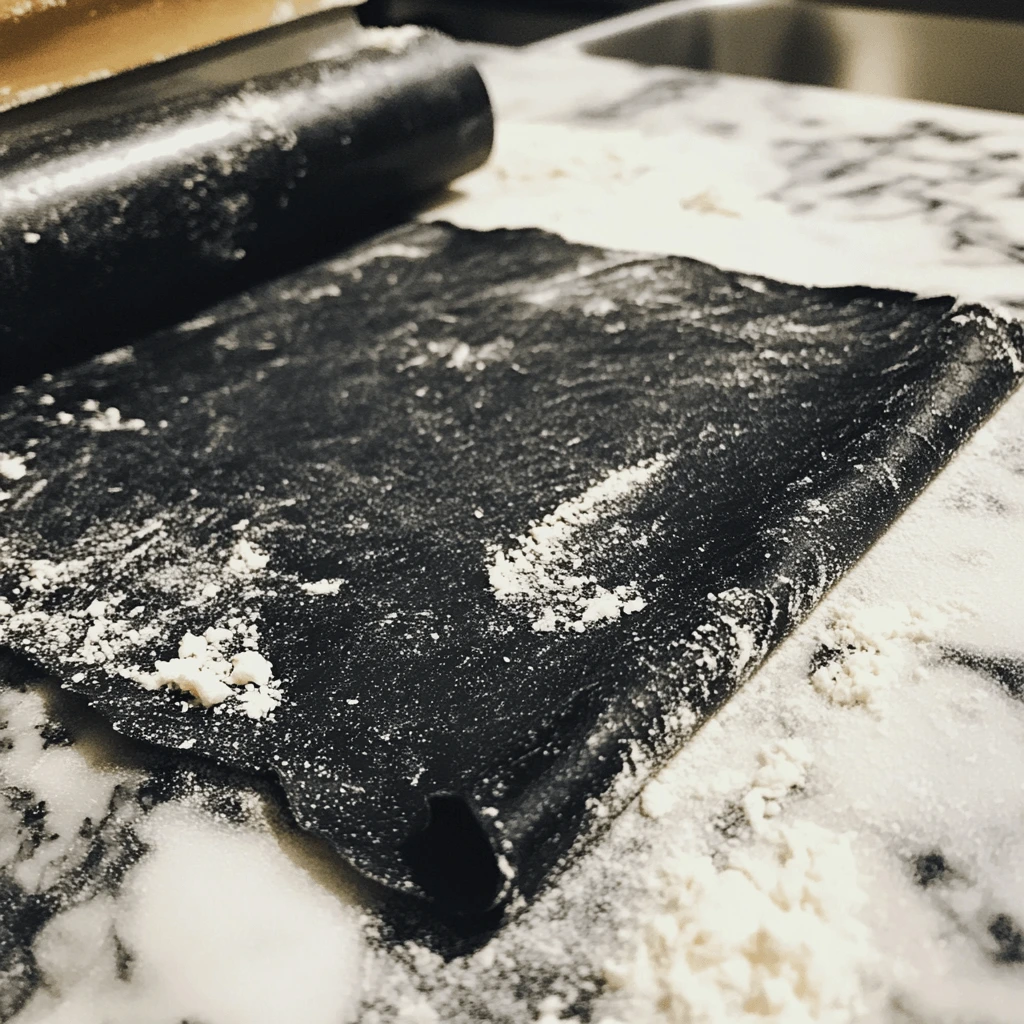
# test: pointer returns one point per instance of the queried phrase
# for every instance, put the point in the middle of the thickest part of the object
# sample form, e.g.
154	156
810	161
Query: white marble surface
137	890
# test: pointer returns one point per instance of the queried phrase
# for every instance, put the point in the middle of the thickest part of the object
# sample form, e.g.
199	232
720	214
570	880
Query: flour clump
203	670
12	467
246	559
104	421
865	648
322	588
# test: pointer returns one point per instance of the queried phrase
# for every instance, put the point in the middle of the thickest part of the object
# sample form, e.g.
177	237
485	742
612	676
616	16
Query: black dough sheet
712	451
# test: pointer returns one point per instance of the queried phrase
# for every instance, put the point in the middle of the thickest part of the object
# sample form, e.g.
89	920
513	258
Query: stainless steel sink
966	61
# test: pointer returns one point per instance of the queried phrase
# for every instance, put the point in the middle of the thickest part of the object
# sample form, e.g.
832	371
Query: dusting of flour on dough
116	356
545	571
112	631
42	574
104	421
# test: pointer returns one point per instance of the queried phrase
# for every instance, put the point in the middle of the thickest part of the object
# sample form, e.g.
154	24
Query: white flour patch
322	587
869	647
200	323
109	419
545	571
327	291
782	767
656	800
12	467
772	934
42	574
204	670
116	357
246	559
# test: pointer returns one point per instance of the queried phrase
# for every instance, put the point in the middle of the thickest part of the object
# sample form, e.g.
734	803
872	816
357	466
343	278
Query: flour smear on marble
777	200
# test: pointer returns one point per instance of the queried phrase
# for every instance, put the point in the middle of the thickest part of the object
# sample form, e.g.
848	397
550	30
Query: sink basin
966	61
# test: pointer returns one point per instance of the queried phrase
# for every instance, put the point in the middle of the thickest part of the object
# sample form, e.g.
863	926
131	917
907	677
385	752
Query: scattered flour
782	767
12	467
109	419
116	356
105	637
322	587
868	647
457	355
200	323
205	671
772	934
545	572
114	632
43	574
246	559
656	799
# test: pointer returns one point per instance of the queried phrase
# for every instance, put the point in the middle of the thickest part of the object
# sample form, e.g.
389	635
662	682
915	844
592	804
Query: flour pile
866	648
205	671
771	934
546	570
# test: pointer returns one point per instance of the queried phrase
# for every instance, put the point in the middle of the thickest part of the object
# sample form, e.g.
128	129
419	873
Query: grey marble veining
940	185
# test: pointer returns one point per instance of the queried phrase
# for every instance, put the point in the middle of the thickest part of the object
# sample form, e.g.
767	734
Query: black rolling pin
131	204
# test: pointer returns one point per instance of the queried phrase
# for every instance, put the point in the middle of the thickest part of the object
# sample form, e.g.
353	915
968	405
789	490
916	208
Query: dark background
526	21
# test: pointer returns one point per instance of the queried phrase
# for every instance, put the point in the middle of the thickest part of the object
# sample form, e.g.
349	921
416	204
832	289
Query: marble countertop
142	889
